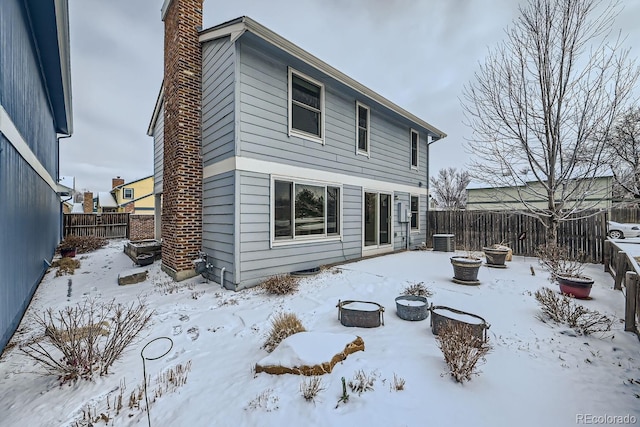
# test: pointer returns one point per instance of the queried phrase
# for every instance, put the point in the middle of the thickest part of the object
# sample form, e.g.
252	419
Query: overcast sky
417	53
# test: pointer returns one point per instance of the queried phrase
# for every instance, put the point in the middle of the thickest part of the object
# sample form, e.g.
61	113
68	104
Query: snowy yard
537	374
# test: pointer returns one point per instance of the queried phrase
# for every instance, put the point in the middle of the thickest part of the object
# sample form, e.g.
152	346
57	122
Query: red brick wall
141	227
182	188
116	182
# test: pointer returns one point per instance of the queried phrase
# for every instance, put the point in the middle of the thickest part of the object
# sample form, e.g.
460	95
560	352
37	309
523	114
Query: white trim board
247	164
11	132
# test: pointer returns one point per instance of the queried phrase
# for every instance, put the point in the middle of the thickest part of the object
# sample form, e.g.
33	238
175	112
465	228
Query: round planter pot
578	287
441	315
361	314
412	307
496	257
144	259
465	270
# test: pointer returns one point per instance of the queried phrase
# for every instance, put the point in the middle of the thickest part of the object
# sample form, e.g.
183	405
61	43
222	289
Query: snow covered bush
362	381
310	387
462	350
559	261
280	285
85	340
563	309
283	325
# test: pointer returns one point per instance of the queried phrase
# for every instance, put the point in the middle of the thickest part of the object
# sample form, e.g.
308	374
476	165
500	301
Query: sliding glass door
377	219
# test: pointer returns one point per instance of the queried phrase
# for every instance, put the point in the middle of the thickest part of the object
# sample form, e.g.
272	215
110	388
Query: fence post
607	256
621	263
630	306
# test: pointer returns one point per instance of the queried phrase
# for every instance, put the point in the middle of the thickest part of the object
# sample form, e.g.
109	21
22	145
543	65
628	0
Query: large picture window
306	106
303	210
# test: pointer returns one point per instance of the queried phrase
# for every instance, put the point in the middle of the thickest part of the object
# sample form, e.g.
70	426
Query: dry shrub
558	260
87	339
418	290
310	387
65	266
83	244
563	309
281	285
283	325
265	401
398	383
362	381
462	350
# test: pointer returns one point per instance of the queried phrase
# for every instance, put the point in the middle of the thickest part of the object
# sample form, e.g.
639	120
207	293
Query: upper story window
362	128
127	193
306	107
415	138
415	213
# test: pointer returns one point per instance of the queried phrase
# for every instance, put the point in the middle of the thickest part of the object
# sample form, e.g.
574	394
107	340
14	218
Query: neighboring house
35	108
600	196
134	197
290	165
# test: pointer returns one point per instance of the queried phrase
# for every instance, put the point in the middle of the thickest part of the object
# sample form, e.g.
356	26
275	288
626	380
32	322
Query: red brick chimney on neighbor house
87	202
116	182
182	179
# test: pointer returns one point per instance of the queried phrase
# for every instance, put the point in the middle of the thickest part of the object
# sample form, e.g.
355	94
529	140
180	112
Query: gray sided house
302	165
35	108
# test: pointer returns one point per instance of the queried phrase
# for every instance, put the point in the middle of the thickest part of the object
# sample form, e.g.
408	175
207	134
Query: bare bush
398	383
283	325
82	244
87	339
65	266
310	387
559	261
362	381
266	401
562	309
462	350
418	290
281	285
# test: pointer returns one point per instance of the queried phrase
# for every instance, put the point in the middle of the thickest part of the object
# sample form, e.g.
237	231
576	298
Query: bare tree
624	153
545	100
449	189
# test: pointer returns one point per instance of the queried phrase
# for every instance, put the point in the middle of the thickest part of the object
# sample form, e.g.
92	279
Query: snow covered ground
538	374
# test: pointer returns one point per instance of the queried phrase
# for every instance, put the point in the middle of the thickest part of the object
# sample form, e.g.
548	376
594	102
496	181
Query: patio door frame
377	248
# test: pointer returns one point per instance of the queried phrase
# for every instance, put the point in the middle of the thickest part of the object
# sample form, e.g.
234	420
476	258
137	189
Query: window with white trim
127	193
306	107
304	210
415	213
362	129
415	138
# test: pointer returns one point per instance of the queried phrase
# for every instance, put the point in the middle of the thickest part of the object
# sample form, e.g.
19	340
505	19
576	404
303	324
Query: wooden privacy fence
626	277
475	229
107	225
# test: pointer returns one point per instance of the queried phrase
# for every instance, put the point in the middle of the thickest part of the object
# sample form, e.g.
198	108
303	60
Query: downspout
222	270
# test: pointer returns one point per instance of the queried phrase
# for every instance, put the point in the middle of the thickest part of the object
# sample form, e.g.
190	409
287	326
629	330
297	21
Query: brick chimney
182	180
87	203
116	182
